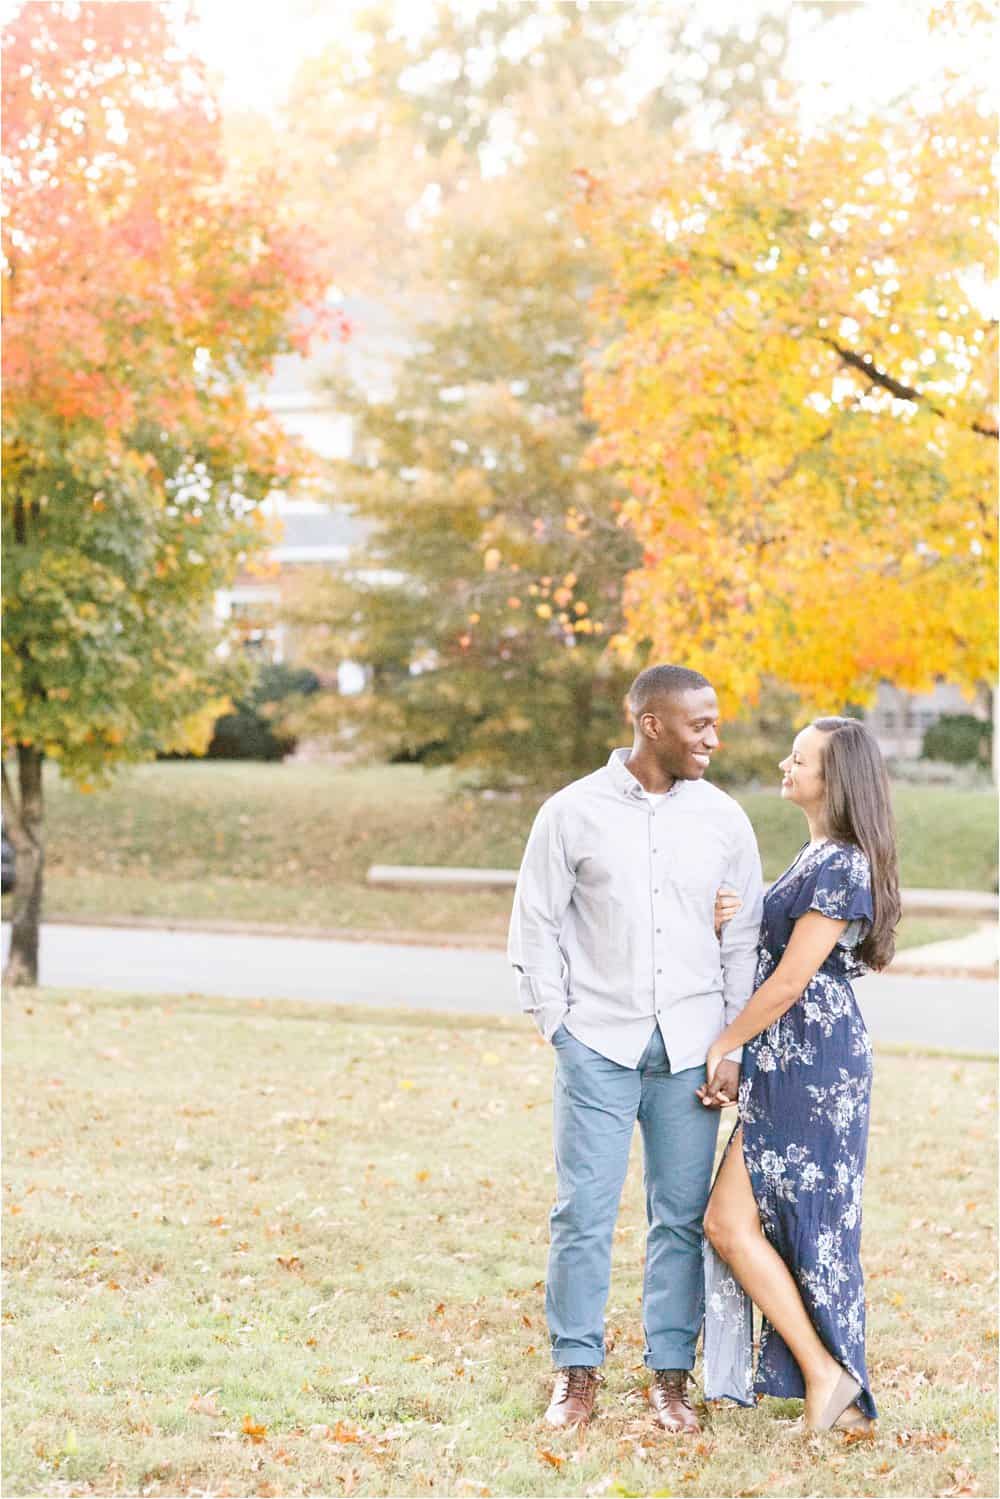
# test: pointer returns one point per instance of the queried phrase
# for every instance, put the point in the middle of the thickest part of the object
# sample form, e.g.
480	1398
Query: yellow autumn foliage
797	386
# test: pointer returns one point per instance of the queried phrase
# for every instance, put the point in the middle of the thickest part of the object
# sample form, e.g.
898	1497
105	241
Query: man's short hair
658	682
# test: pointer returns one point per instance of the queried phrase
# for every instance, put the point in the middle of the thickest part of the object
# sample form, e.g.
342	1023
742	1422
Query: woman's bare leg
732	1225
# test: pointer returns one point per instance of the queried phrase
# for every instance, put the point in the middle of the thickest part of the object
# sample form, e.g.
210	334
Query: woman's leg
732	1226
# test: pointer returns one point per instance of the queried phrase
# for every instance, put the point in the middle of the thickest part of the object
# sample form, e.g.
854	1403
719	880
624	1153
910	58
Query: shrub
959	738
248	733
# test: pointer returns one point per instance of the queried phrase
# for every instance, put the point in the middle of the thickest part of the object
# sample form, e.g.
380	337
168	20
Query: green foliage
959	738
490	578
249	732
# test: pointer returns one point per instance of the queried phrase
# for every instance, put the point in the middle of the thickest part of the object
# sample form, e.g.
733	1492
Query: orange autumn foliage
797	386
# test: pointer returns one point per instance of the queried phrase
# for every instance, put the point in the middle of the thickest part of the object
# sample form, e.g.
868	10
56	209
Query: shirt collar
625	780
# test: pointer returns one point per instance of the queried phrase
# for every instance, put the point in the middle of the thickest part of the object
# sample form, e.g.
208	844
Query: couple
669	987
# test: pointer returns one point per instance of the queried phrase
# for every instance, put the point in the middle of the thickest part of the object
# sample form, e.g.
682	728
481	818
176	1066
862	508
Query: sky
864	56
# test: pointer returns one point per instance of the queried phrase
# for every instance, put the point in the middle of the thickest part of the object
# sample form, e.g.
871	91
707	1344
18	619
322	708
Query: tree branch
867	366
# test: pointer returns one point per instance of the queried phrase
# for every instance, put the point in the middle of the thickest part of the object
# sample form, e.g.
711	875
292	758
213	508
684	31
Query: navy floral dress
803	1107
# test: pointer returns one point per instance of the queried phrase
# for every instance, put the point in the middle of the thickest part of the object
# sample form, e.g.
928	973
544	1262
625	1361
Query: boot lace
576	1382
673	1382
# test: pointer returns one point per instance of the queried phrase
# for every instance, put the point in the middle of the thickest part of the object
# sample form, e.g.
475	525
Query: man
613	938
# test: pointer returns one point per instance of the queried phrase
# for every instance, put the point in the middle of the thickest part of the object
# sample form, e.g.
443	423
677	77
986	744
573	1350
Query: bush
248	733
959	738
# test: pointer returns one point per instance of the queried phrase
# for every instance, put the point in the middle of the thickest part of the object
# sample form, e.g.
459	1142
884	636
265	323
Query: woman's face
802	770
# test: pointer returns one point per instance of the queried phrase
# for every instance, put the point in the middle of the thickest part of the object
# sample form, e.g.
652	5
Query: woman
795	1164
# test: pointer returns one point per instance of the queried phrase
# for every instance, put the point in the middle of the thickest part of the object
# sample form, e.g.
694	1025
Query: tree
142	297
490	580
391	120
796	388
488	584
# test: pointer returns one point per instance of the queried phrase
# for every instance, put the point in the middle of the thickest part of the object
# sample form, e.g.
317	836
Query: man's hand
722	1082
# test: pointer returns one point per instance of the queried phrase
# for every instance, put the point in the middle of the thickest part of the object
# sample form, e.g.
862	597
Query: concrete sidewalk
974	956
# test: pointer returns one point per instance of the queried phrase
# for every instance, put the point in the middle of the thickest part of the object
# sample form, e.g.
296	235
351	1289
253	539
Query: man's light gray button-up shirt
613	931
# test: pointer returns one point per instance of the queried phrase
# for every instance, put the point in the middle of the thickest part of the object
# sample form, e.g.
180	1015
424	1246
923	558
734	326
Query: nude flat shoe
846	1391
853	1420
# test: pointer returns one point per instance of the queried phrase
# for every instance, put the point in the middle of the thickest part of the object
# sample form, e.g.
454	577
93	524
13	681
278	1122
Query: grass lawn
292	844
266	1249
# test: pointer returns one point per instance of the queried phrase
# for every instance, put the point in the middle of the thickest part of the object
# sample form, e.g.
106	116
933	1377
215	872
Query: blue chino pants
595	1107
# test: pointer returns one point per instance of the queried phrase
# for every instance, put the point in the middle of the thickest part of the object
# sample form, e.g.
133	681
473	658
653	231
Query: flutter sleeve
839	887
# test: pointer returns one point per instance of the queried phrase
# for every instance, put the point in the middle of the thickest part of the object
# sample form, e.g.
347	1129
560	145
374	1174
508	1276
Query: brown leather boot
573	1397
669	1398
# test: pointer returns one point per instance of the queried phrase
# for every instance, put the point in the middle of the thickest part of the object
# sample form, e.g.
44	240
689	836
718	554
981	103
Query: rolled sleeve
739	936
543	893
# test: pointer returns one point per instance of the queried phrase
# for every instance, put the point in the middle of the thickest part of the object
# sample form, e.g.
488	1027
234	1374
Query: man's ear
650	725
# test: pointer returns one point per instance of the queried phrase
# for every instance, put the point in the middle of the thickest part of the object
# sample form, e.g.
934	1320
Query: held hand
722	1081
727	903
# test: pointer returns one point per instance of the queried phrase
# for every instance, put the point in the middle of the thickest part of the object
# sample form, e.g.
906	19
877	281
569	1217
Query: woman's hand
727	903
722	1079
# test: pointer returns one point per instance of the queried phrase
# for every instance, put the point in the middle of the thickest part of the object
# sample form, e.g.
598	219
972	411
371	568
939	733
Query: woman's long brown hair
858	810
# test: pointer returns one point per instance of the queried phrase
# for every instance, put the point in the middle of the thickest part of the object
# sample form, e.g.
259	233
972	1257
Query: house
312	531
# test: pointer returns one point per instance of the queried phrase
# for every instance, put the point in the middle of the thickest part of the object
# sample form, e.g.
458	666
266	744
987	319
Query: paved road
955	1013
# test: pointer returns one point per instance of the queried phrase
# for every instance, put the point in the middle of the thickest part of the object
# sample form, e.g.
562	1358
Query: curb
276	929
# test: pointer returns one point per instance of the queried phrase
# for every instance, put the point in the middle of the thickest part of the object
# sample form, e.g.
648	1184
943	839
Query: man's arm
544	888
739	936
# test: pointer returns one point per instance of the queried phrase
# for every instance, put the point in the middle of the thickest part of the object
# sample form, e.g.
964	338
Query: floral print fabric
803	1108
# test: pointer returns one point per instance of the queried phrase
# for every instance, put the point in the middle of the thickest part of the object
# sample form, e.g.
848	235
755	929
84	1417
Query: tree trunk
24	823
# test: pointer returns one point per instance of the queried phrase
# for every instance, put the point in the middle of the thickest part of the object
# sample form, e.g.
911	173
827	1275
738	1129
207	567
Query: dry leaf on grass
251	1429
344	1433
964	1483
550	1457
205	1405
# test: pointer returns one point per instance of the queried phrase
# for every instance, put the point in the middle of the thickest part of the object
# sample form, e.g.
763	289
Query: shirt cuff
550	1019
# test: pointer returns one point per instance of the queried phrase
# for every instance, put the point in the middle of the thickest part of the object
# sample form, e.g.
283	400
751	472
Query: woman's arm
812	941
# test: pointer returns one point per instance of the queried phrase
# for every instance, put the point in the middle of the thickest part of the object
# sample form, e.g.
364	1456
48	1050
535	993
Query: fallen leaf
251	1429
550	1458
964	1483
344	1433
205	1405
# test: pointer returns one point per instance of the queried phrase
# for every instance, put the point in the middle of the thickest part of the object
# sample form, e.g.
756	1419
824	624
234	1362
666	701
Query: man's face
685	733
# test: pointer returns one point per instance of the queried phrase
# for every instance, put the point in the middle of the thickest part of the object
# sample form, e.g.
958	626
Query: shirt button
659	970
656	892
659	931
